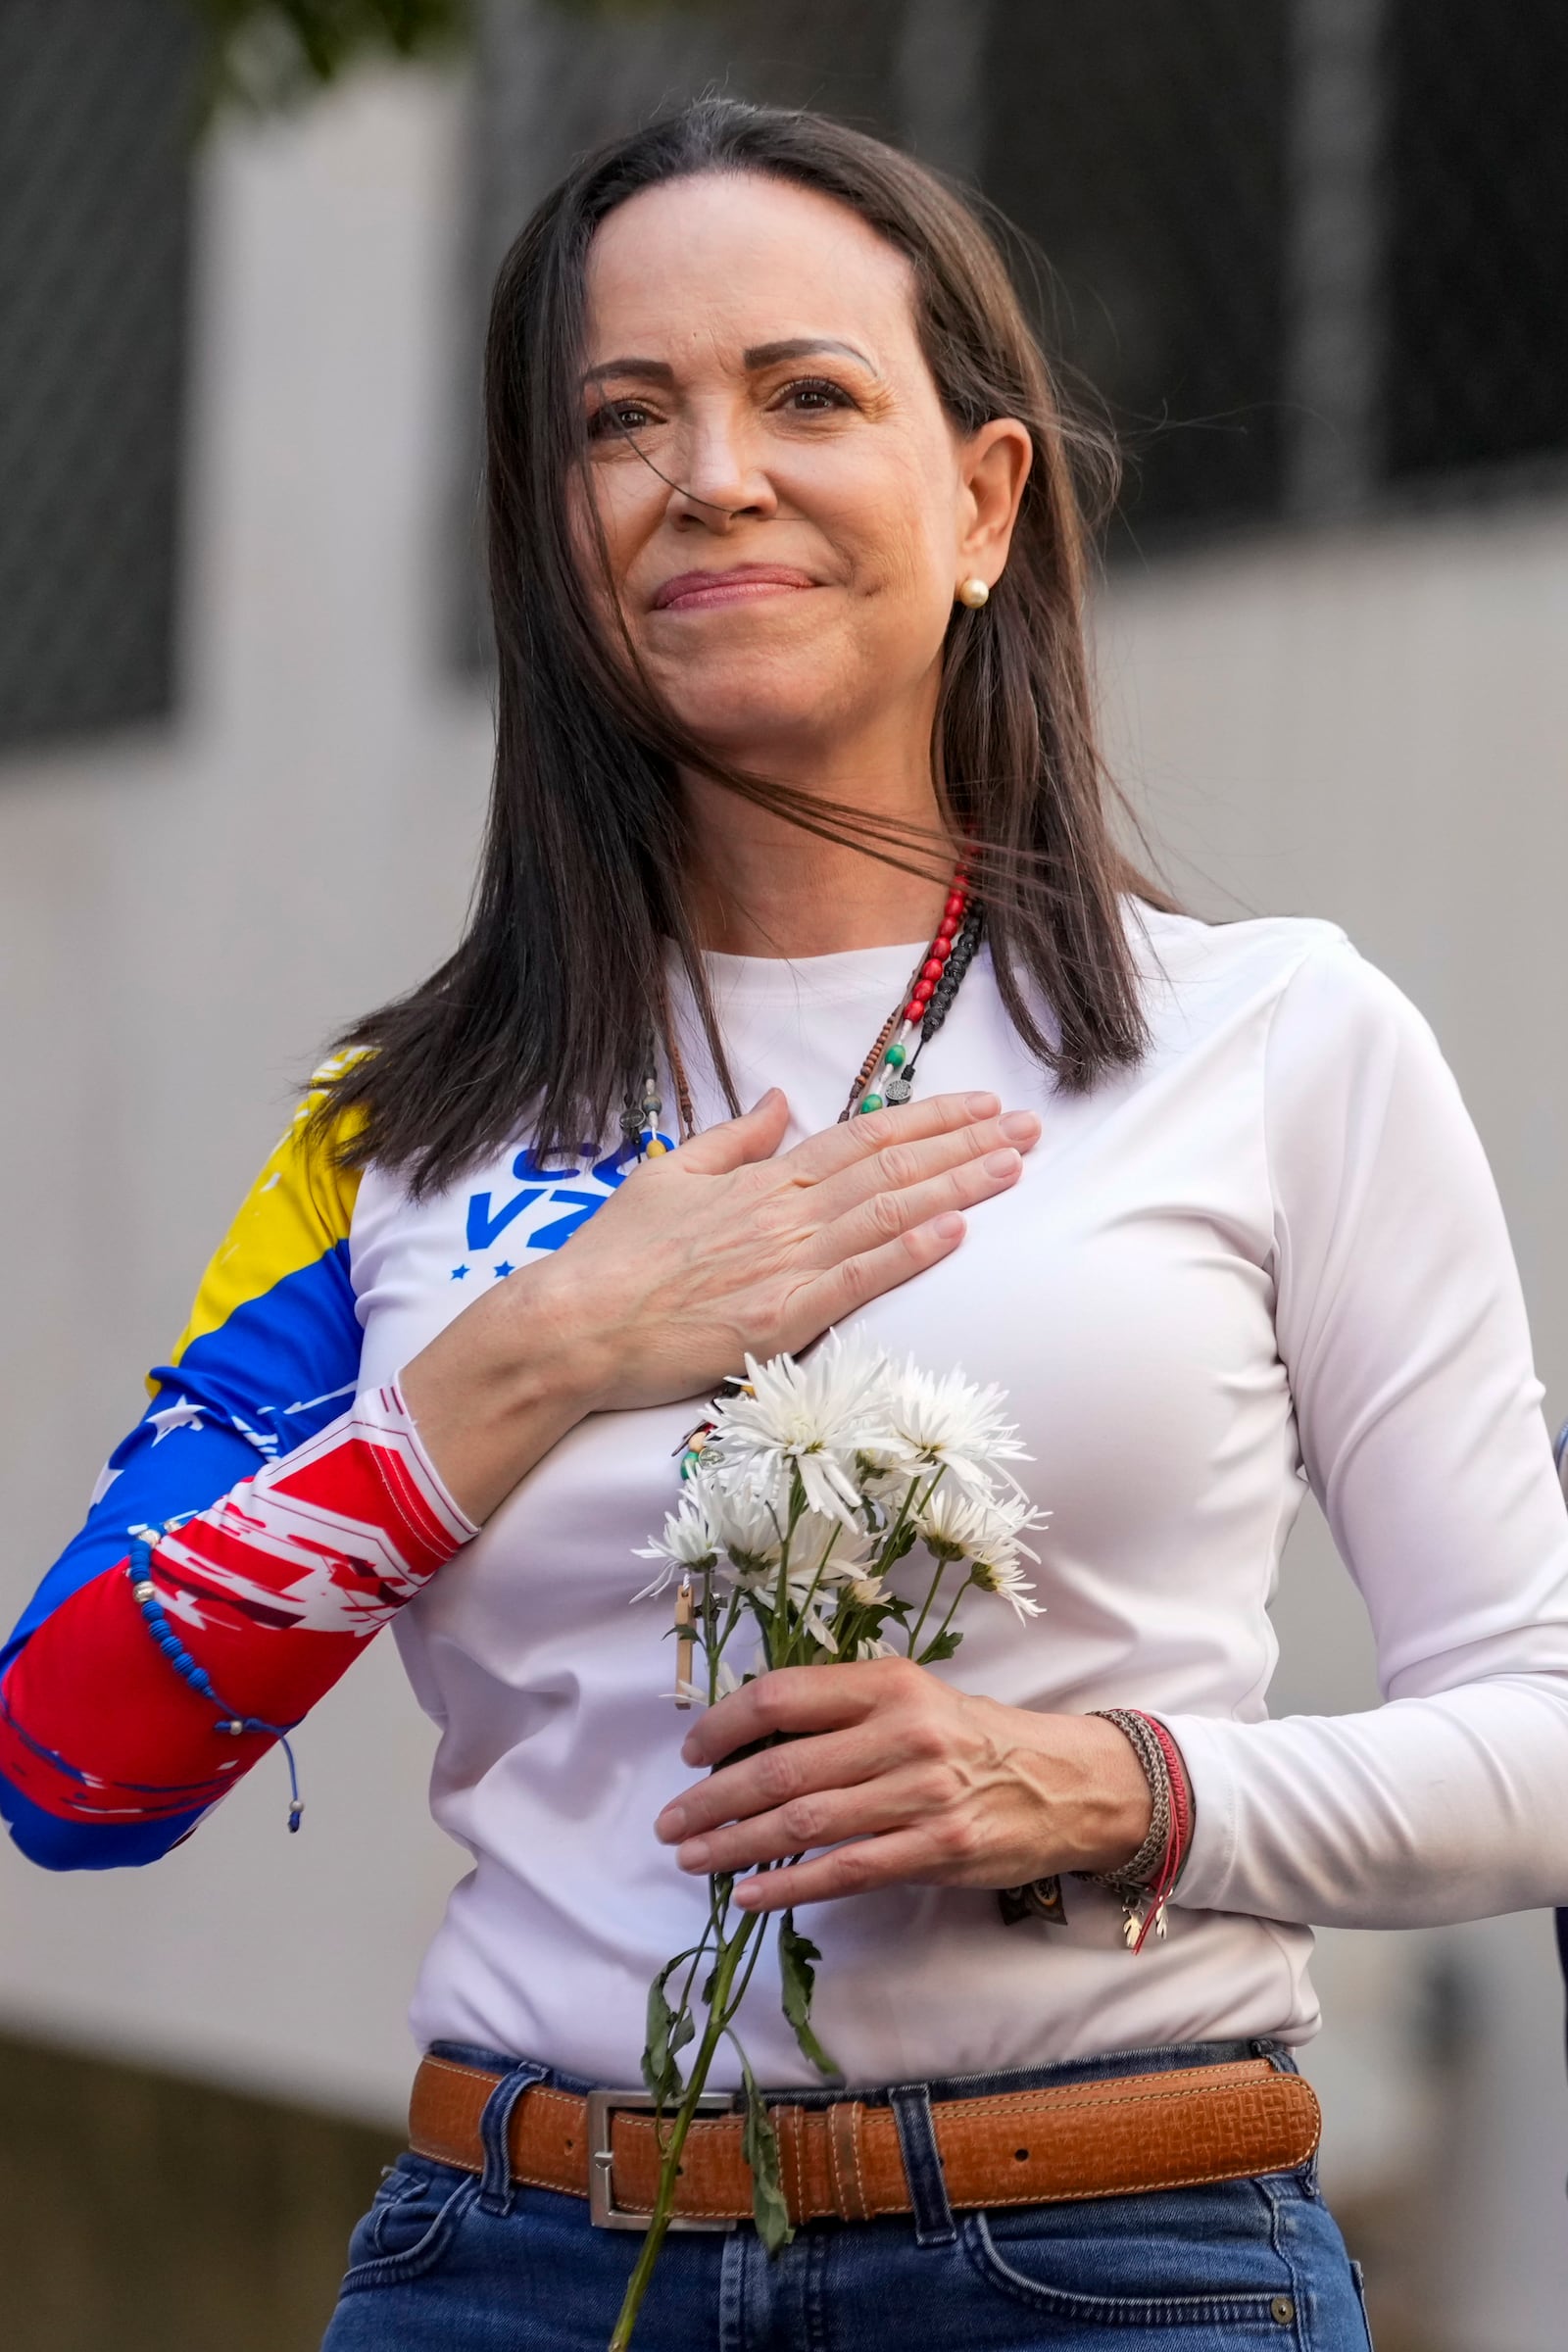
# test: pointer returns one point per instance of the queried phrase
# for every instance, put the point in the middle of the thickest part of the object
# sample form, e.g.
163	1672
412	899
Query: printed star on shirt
504	1269
181	1415
458	1272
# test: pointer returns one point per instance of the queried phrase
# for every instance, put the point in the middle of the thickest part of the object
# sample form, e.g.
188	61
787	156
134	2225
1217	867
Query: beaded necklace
887	1074
909	1029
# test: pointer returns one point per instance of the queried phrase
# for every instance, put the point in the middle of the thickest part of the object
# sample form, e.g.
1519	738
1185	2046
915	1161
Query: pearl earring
974	593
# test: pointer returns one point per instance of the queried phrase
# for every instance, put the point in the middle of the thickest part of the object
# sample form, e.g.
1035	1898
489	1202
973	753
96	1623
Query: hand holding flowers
906	1779
837	1512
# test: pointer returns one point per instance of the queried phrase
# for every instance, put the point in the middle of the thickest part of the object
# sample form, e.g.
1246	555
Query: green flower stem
796	1629
897	1528
713	1649
781	1605
719	2012
698	1957
952	1608
925	1606
757	1952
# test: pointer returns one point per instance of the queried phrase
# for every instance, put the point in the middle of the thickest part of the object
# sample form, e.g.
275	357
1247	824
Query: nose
717	480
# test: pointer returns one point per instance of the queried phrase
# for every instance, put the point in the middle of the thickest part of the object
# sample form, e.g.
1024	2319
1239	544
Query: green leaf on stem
668	2031
797	1957
941	1646
760	2147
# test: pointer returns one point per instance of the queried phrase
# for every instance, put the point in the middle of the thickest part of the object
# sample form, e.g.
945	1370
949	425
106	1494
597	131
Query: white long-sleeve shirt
1272	1256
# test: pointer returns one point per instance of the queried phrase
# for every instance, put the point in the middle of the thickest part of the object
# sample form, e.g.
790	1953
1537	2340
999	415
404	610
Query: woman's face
787	507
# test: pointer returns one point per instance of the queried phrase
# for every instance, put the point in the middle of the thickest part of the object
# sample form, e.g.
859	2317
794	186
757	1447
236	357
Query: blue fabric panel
56	1844
277	1372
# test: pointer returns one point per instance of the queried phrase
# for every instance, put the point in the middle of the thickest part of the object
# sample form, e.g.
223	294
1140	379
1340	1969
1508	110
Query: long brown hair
540	1016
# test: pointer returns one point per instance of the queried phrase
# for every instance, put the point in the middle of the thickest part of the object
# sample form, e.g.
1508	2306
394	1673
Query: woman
787	574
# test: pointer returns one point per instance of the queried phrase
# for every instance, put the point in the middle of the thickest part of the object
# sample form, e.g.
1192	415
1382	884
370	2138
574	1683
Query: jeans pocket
1183	2268
411	2225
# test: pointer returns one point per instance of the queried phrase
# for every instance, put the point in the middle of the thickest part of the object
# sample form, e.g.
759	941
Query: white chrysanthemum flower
1007	1579
687	1546
865	1590
942	1421
812	1417
746	1521
838	1551
808	1586
884	1479
959	1525
872	1646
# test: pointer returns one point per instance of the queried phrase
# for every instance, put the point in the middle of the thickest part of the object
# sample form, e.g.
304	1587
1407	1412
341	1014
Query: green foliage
668	2032
941	1646
797	1958
759	2146
269	53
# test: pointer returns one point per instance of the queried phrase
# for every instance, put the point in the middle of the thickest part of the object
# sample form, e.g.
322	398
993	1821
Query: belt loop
934	2224
495	2134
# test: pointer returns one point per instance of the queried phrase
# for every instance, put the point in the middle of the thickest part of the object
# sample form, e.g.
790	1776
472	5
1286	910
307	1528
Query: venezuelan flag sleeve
260	1522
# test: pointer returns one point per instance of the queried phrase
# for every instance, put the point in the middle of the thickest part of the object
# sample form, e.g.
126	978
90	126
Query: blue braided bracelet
145	1595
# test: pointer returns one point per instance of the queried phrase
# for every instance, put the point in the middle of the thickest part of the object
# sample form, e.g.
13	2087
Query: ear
993	467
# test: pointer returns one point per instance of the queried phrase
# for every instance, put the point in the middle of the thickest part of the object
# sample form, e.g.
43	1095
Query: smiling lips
700	591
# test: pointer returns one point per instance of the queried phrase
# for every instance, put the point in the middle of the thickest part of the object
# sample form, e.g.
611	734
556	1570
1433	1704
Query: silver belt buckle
603	2211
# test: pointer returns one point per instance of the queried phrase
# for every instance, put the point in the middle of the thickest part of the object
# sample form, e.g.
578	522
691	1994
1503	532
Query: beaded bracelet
144	1592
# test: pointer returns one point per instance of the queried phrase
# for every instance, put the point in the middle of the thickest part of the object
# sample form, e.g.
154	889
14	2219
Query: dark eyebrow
656	368
761	355
801	347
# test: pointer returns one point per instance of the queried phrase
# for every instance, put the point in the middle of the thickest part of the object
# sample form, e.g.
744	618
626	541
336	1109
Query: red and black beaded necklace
887	1074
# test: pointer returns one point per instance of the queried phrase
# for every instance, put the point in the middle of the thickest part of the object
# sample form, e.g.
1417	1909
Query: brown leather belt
1107	2137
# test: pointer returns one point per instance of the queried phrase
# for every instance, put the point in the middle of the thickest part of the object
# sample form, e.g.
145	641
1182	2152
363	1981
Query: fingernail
1020	1126
688	1750
694	1855
981	1106
1002	1163
948	1226
669	1824
763	1100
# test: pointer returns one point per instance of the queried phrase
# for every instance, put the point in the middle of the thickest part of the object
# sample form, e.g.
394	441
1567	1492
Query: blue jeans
444	2262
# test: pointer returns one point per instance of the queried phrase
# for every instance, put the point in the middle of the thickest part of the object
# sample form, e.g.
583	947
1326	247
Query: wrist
547	1355
1089	1788
1119	1811
496	1390
559	1346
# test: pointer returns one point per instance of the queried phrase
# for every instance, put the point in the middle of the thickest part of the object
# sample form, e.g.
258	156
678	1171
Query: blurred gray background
1314	255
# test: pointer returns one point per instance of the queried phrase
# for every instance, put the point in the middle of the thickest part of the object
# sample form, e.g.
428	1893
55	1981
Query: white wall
1373	727
185	917
1369	726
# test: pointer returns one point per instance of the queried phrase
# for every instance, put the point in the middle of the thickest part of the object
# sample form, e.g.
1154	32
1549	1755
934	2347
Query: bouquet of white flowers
804	1492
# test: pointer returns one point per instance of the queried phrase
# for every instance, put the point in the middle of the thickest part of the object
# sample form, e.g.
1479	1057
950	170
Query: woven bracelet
1144	1867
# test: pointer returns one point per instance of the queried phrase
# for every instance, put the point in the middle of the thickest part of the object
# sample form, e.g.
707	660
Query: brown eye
617	417
811	396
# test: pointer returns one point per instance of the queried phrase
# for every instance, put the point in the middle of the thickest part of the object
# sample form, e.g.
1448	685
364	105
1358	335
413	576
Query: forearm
1419	1813
272	1593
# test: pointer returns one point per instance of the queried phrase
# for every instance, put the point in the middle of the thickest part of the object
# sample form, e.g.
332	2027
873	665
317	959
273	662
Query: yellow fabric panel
299	1207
